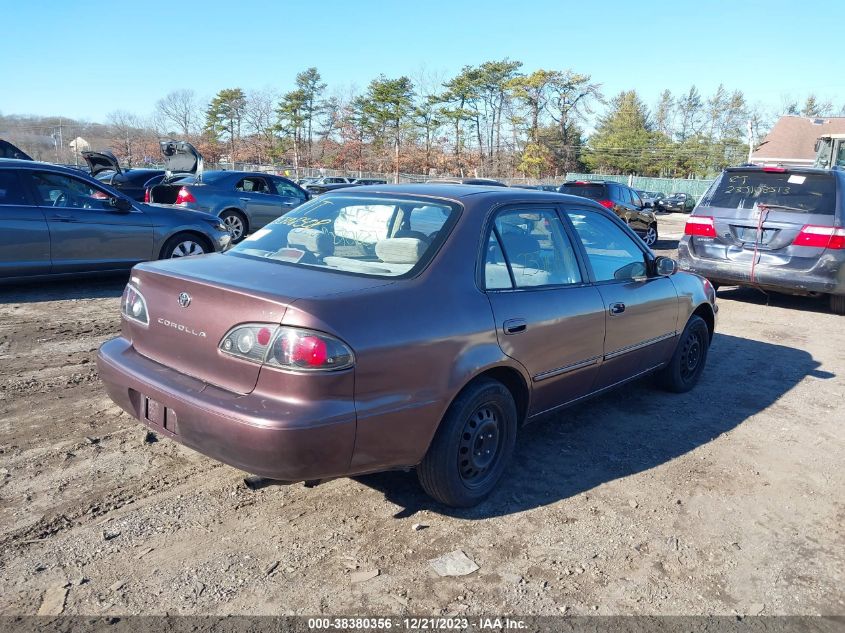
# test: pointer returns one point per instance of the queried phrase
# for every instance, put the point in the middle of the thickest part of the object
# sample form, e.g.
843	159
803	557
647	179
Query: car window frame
28	177
490	226
648	257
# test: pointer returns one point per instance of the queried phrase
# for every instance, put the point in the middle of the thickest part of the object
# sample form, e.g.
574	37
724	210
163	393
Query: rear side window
531	248
596	192
11	191
797	192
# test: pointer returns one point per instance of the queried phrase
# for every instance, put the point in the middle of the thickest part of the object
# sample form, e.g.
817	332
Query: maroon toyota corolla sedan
390	327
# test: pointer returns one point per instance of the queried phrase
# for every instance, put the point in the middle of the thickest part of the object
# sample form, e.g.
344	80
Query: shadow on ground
625	432
774	299
110	285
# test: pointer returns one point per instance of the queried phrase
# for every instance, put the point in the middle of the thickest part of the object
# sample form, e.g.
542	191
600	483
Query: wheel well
706	313
202	239
514	382
240	213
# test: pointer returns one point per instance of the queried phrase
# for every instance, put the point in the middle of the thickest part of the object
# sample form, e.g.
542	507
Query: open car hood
99	162
7	150
181	158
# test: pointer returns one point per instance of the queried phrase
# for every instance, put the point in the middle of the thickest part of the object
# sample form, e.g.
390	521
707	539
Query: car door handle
60	217
617	308
245	199
514	326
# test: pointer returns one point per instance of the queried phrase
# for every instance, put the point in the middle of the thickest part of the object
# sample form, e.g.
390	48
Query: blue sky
84	59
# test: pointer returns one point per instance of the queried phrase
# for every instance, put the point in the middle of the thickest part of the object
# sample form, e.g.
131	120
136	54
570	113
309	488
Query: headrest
312	240
400	250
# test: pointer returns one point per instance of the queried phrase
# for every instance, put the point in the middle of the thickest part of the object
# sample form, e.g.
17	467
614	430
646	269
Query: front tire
687	363
185	245
472	446
837	304
650	238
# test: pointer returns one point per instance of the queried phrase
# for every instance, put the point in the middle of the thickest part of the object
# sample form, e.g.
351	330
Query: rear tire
472	446
837	304
185	245
237	224
687	363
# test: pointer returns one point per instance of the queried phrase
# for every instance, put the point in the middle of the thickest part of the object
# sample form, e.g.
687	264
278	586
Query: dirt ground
726	500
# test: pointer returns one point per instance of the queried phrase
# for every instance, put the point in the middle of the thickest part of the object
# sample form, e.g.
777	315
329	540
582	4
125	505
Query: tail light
607	204
832	237
147	196
774	170
185	196
133	306
700	225
287	347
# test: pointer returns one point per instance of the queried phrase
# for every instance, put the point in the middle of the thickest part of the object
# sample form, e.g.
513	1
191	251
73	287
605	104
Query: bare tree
179	111
127	135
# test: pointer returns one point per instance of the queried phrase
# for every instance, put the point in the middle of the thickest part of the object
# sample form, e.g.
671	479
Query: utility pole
750	127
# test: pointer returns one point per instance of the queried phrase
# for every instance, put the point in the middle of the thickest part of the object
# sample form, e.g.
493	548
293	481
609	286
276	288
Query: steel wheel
691	354
480	444
187	248
235	225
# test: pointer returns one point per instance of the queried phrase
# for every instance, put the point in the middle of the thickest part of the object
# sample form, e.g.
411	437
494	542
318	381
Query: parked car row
60	221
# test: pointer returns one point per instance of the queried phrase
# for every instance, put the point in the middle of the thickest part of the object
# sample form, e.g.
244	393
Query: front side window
287	189
59	190
635	199
532	248
612	253
366	235
11	191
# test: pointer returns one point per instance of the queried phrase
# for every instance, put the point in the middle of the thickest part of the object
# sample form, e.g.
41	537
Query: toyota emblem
184	299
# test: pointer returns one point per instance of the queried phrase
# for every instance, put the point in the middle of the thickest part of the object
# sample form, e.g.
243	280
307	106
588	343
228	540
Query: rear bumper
279	439
827	276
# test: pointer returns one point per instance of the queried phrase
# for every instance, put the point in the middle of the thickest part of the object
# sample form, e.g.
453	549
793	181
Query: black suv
622	200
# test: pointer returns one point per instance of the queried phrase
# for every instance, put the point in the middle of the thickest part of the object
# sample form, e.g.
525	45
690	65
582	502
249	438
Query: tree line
495	119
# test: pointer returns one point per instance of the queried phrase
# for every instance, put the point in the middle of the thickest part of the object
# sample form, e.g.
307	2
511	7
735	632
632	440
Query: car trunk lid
180	158
99	162
223	291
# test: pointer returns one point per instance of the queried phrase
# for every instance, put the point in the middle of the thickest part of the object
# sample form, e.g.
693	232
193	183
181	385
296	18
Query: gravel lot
726	500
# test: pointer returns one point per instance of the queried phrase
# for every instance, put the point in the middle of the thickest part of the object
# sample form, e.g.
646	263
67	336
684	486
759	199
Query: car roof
17	163
458	192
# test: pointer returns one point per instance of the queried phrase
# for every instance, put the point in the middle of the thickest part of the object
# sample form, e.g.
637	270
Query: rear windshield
798	192
596	192
367	235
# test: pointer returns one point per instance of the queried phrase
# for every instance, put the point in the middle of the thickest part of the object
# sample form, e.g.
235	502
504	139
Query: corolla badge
184	299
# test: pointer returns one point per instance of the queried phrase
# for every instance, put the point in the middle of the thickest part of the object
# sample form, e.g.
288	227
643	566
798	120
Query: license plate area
748	235
156	414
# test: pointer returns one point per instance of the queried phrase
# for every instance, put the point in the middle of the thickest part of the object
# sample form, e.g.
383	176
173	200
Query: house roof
793	138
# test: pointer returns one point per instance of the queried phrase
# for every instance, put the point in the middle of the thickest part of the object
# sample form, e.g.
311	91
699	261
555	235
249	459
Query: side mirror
665	266
121	204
